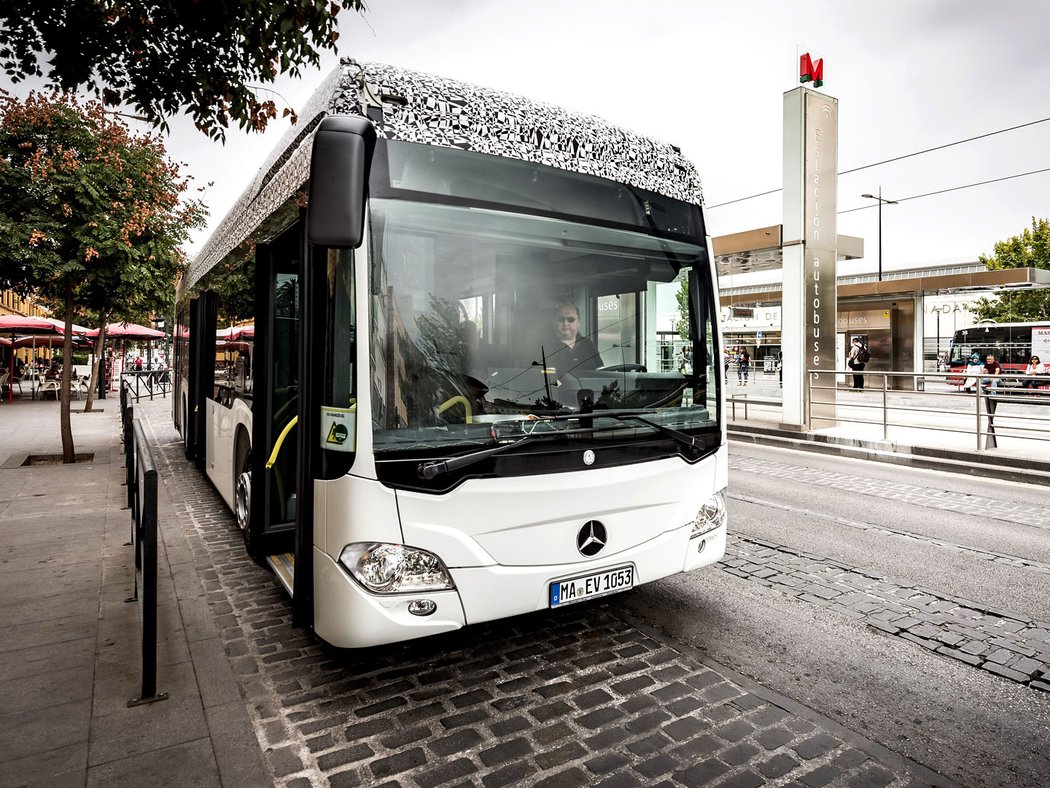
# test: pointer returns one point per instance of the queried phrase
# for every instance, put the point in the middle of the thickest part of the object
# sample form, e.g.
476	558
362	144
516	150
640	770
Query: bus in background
420	360
1012	344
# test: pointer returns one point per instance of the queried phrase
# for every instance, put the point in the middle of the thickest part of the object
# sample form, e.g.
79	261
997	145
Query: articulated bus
1012	344
420	360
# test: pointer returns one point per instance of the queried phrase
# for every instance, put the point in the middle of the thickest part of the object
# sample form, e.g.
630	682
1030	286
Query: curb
968	463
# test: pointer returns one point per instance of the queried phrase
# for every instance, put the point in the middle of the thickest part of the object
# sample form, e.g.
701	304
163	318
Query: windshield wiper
679	437
428	470
633	415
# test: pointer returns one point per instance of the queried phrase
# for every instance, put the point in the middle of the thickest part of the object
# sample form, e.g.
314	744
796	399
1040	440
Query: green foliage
682	296
83	201
1030	249
181	55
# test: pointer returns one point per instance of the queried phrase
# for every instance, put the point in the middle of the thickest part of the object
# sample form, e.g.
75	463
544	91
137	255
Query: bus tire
242	495
186	450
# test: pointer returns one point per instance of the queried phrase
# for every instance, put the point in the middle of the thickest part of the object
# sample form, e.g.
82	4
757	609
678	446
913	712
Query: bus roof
989	325
415	107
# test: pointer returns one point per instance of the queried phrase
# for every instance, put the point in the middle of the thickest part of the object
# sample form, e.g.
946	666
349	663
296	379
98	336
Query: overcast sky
710	76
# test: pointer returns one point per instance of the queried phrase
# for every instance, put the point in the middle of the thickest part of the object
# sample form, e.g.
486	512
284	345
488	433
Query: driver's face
567	322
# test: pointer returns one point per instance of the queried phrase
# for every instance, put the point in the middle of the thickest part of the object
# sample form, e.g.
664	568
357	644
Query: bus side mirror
339	167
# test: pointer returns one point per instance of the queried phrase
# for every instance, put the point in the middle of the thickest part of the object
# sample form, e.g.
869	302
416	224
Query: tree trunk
68	451
100	355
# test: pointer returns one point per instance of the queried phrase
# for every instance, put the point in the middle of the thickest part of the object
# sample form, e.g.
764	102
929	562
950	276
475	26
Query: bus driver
576	352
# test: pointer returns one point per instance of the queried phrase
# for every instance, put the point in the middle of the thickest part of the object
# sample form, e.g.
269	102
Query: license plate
565	592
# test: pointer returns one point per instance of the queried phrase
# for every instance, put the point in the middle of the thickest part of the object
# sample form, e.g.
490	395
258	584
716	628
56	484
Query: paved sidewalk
70	644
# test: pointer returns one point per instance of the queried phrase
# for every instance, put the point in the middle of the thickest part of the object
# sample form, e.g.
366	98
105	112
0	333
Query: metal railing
146	383
934	402
1002	408
141	480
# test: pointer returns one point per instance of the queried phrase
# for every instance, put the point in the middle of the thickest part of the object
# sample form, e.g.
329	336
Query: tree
1030	249
181	55
681	295
90	216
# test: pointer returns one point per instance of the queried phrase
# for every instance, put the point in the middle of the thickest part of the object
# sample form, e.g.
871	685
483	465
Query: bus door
275	403
201	382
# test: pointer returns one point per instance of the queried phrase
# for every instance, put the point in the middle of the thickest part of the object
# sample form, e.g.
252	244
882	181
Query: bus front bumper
348	616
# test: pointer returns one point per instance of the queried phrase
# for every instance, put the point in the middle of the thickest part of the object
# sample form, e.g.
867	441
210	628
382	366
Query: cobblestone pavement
975	633
998	641
578	697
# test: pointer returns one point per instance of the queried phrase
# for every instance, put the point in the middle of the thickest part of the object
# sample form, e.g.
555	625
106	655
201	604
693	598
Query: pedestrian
685	360
992	368
974	367
1035	367
857	360
138	363
743	366
725	364
780	367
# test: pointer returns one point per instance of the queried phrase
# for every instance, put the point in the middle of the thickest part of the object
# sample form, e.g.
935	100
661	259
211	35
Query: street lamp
881	201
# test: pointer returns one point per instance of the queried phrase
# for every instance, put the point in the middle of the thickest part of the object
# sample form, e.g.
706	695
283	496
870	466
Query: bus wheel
242	497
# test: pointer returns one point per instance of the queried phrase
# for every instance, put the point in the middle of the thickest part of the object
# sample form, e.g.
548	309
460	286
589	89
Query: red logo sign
808	71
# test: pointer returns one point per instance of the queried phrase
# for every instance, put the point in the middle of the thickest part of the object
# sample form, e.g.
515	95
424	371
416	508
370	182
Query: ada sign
339	428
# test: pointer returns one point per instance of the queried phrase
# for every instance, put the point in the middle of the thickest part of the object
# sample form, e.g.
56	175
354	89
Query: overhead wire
950	189
901	158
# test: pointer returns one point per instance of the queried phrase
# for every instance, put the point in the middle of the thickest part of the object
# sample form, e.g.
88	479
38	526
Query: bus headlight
395	568
712	515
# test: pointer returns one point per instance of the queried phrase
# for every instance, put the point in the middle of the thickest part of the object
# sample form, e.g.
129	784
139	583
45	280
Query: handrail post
129	454
146	516
977	401
885	414
990	403
809	400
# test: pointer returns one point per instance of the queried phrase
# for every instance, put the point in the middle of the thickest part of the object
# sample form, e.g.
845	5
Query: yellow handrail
457	400
280	441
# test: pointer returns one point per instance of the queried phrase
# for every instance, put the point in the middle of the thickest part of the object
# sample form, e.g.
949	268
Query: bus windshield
485	320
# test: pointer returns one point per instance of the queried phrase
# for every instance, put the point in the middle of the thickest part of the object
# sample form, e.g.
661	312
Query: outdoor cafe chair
5	382
78	386
44	385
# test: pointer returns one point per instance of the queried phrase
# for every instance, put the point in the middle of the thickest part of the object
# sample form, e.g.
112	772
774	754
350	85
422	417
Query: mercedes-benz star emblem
591	538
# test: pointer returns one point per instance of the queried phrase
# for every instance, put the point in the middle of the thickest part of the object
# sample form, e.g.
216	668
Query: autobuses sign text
814	242
819	177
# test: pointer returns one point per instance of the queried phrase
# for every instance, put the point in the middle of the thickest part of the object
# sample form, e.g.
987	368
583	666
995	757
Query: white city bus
377	368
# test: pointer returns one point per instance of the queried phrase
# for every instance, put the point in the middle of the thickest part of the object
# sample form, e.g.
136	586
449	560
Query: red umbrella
233	333
47	341
129	331
23	324
132	331
61	326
